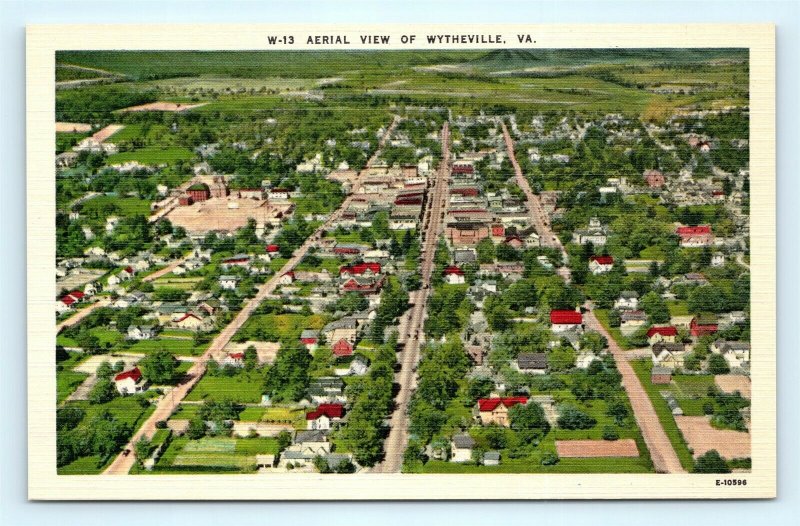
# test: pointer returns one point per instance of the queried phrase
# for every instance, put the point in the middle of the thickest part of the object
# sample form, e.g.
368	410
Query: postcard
272	262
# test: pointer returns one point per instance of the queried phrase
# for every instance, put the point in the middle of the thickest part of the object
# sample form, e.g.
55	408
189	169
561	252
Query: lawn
230	454
642	368
278	327
252	414
533	465
151	155
678	308
67	380
127	410
179	347
602	317
104	206
245	387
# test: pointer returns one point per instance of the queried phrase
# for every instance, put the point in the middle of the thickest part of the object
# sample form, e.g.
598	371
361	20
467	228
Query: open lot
702	437
226	214
174	107
733	382
596	448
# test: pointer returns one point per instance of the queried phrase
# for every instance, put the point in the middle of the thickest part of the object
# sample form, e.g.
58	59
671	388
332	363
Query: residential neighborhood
367	281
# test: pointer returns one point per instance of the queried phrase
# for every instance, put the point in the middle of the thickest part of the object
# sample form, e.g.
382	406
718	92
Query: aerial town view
508	261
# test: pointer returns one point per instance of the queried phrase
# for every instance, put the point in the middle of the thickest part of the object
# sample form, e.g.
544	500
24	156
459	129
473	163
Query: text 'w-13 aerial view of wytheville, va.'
509	261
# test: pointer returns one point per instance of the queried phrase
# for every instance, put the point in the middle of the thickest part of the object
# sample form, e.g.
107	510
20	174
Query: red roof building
565	317
663	331
695	236
68	300
360	269
271	249
498	231
602	260
330	410
343	348
699	328
453	270
134	374
78	295
462	169
490	404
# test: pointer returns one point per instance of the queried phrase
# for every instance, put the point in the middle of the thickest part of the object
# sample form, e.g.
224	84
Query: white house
130	382
454	275
601	264
139	332
565	320
628	300
461	448
228	282
718	259
324	415
737	354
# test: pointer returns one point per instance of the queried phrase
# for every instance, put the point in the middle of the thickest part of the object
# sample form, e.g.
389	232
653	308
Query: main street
411	328
170	401
661	451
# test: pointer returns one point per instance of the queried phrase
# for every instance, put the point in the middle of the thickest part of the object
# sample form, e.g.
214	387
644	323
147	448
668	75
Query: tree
159	366
718	365
610	433
68	417
142	449
104	370
250	358
574	418
196	429
655	307
102	392
480	387
284	439
593	341
561	358
529	417
711	462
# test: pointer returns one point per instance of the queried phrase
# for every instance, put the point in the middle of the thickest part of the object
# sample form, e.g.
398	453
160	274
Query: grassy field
230	454
276	327
564	465
170	280
678	308
67	380
103	206
127	410
151	155
179	347
642	368
245	387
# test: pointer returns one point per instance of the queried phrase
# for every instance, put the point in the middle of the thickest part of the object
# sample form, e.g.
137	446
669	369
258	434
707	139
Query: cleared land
72	127
702	437
175	107
597	448
216	214
733	382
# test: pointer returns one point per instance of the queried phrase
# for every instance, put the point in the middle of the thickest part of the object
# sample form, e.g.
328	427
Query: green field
67	380
244	388
152	155
104	206
179	347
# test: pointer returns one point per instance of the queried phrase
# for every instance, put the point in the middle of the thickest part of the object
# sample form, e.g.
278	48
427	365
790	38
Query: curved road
167	405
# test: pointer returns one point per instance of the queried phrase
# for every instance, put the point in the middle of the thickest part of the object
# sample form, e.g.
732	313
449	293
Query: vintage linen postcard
389	262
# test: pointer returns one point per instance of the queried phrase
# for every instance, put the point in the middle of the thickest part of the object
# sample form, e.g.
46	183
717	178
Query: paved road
661	452
539	219
167	405
411	324
663	455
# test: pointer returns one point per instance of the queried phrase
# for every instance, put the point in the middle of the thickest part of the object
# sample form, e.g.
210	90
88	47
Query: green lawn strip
252	414
179	347
678	308
243	388
602	317
642	369
186	412
152	155
66	383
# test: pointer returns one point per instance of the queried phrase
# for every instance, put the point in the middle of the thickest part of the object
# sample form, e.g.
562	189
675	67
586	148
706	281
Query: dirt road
539	219
81	314
663	455
167	405
411	325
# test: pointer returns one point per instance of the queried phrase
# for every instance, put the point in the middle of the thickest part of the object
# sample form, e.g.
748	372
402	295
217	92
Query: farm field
151	155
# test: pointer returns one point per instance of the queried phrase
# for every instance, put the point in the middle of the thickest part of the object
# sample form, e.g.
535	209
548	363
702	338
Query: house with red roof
661	334
514	241
233	359
601	264
287	278
498	232
454	275
565	320
495	410
363	285
342	348
703	324
695	236
188	320
130	382
272	249
360	269
324	415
